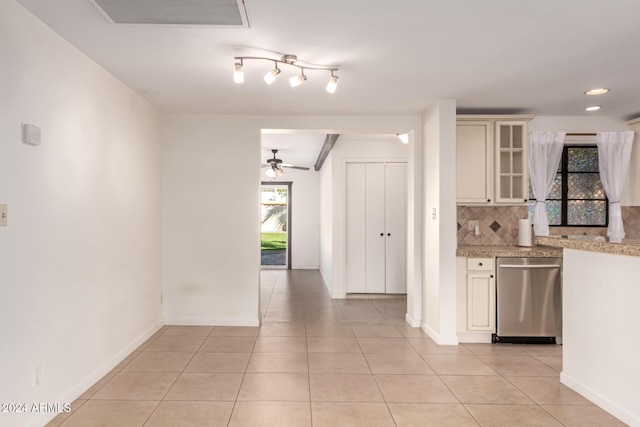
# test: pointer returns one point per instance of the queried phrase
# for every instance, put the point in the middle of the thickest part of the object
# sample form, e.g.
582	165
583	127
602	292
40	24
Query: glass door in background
274	227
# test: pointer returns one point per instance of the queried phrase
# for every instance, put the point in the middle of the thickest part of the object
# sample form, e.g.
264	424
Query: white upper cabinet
473	162
512	160
492	160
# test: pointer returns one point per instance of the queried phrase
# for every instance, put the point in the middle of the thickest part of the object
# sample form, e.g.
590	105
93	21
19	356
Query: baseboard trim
414	323
602	401
103	370
432	334
436	336
305	267
207	321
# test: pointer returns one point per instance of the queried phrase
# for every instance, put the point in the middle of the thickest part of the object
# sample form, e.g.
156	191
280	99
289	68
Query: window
577	198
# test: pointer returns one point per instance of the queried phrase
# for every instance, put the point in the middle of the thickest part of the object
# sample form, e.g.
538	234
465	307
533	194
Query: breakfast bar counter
601	296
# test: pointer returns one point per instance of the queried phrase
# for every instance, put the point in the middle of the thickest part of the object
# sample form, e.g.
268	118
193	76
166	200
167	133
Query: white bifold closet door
376	227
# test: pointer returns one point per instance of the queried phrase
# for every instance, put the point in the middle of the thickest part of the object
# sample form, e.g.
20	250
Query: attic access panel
228	13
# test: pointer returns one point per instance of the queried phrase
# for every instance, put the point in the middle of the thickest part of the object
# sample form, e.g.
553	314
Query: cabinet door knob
488	200
526	200
480	264
388	234
382	234
491	277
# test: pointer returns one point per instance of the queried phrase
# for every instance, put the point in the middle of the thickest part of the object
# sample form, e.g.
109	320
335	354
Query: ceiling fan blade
304	168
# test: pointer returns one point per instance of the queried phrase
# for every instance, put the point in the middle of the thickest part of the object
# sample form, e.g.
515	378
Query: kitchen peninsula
601	318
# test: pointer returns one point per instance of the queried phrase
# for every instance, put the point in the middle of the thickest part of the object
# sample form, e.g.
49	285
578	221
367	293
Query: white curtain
545	152
614	154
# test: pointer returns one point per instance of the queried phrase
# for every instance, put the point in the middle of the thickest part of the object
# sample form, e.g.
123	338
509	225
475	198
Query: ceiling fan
275	166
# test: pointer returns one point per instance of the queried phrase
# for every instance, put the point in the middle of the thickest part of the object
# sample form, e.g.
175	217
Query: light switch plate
31	134
4	213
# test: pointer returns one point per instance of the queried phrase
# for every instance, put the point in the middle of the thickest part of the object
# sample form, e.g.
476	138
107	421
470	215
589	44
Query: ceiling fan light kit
275	166
290	60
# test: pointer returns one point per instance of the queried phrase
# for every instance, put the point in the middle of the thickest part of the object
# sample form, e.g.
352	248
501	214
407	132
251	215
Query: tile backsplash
499	225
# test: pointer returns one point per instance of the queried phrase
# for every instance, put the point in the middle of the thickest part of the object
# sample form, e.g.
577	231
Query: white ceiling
395	57
298	149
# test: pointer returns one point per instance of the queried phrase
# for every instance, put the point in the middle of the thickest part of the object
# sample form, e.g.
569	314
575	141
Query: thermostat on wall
30	134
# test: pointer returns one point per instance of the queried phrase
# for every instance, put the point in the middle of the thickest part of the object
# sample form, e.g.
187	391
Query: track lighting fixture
272	76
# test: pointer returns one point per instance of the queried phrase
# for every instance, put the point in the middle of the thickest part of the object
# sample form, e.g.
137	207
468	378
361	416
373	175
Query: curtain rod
581	134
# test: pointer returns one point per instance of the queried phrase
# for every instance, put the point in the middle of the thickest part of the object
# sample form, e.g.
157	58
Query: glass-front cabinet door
512	174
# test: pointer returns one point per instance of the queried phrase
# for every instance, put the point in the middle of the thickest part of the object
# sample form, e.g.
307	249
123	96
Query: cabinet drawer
480	264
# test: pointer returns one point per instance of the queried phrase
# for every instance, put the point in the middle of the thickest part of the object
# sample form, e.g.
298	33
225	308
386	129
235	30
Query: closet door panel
356	231
395	213
375	228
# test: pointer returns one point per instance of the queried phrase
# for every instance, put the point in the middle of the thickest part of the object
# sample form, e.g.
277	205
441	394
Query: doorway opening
275	227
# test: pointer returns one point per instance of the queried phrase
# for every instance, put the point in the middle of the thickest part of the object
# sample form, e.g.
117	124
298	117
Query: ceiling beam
329	142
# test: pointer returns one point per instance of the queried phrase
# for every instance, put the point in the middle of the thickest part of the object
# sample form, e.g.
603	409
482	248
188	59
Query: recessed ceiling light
593	108
598	91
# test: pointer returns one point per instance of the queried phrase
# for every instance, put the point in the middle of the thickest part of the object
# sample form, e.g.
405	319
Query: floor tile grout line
244	375
386	403
178	376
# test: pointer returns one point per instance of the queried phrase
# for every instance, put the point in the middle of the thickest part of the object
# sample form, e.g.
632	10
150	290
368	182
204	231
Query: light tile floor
322	362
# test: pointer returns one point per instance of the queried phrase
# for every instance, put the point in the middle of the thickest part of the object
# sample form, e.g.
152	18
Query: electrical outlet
4	215
473	224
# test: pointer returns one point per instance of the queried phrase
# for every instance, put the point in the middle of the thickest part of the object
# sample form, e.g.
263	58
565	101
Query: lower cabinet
476	296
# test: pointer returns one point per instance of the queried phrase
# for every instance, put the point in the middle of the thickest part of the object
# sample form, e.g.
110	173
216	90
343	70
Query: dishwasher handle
521	267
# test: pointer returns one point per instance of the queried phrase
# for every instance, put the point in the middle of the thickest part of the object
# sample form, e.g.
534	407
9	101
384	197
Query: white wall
439	261
305	212
212	255
576	124
211	220
326	221
80	261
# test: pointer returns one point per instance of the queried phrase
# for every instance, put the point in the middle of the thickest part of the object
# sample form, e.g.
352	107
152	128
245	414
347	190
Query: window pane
554	208
556	190
583	159
585	186
586	212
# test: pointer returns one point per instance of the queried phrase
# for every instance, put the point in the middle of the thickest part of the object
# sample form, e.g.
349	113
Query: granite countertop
592	243
537	251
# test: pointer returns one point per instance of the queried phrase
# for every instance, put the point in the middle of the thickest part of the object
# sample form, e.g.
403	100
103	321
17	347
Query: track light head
333	83
238	74
296	81
272	75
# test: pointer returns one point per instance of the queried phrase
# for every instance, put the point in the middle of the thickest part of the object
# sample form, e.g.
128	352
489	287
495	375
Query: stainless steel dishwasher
528	300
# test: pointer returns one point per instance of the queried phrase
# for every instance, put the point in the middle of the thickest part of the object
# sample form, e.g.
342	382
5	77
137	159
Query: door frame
288	184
